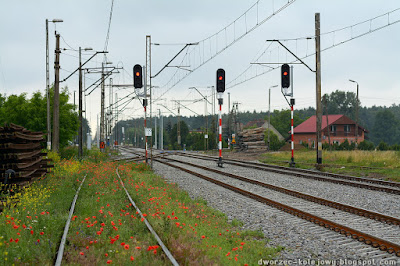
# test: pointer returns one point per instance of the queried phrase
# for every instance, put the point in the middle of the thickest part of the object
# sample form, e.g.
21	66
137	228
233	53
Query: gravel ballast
301	239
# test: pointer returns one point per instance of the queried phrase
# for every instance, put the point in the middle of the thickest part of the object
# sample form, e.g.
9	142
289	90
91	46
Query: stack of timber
252	140
21	154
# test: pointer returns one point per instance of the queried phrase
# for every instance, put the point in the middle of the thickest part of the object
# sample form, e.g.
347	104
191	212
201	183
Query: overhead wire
108	30
371	30
214	38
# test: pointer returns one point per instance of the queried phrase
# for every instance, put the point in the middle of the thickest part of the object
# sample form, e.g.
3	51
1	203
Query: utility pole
110	100
269	113
116	118
48	87
357	119
56	104
318	89
80	134
161	131
327	122
48	83
102	146
148	83
178	125
356	129
155	130
229	120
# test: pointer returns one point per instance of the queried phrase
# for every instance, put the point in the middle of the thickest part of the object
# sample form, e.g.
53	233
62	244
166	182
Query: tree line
382	122
31	113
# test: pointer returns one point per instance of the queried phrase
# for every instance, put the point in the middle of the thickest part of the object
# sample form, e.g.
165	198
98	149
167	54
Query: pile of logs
252	139
21	156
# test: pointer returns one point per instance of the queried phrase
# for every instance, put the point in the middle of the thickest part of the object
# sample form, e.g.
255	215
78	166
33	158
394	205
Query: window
333	128
301	142
336	142
346	128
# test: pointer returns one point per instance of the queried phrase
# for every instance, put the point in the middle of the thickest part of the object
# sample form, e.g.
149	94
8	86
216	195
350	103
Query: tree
386	128
173	136
343	103
281	120
382	146
366	145
32	113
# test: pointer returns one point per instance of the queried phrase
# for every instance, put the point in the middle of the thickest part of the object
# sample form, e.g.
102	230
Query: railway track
361	182
377	230
60	252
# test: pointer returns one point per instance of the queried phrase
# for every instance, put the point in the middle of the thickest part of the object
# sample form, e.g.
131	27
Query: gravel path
300	238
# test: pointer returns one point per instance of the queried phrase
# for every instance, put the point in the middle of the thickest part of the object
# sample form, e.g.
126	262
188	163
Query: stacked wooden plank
21	157
252	139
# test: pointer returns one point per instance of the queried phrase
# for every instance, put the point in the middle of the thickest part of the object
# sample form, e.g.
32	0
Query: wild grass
380	164
106	229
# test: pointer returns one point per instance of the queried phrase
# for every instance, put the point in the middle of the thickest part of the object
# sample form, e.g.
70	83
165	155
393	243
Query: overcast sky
371	60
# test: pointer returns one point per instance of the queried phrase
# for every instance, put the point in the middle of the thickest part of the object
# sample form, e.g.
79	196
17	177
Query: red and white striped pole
292	163
220	135
220	93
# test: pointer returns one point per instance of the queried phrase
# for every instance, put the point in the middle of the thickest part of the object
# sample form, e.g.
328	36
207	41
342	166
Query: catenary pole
48	87
56	101
318	90
80	133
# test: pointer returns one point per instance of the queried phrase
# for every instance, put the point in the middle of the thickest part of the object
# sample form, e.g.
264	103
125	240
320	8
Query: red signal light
220	78
137	74
285	73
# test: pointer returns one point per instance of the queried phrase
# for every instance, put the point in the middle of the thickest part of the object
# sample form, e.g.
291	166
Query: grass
106	229
377	164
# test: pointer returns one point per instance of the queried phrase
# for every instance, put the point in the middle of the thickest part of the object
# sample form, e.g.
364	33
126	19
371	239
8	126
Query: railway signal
137	77
220	90
285	71
220	80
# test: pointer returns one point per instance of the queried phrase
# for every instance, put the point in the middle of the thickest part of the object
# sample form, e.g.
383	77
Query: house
340	128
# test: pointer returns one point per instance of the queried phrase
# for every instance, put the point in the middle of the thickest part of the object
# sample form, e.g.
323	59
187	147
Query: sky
371	60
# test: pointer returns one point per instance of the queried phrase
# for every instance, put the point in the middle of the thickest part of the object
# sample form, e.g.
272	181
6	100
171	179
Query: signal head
137	76
285	77
220	80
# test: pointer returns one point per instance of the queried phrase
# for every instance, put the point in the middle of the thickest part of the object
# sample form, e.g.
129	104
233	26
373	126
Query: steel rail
376	242
60	252
164	248
311	175
343	207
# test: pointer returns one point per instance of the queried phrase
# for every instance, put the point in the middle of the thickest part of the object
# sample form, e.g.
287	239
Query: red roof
310	125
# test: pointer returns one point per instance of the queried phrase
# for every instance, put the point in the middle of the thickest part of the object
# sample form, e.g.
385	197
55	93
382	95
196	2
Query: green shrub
53	156
382	146
274	143
366	145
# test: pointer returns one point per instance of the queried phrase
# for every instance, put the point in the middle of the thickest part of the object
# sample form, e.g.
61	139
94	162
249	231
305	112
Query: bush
382	146
366	145
395	147
345	146
274	143
53	156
